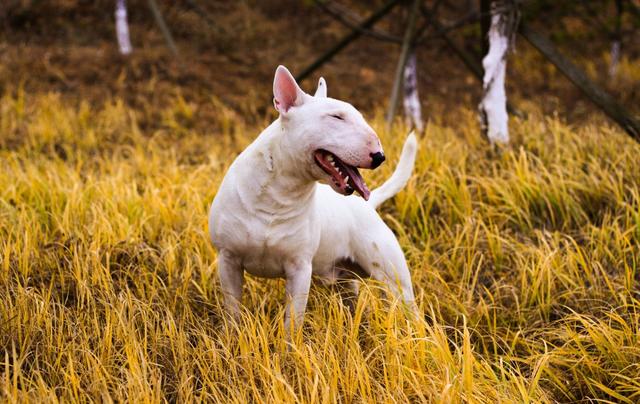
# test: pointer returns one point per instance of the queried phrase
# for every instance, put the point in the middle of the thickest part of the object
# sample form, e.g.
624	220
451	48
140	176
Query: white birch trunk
493	108
411	102
122	28
616	44
615	58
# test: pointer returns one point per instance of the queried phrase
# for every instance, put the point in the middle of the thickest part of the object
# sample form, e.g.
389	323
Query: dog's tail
400	176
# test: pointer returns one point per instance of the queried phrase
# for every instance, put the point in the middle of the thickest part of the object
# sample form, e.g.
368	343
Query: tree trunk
493	107
617	42
614	58
122	28
466	58
402	61
412	108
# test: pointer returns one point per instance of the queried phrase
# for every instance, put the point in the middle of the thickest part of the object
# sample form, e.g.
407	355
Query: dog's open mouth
345	177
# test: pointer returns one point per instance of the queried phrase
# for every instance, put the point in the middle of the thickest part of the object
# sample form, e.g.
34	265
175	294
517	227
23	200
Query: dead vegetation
525	265
525	261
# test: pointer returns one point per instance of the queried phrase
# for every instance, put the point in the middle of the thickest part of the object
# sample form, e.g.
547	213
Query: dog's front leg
231	277
298	275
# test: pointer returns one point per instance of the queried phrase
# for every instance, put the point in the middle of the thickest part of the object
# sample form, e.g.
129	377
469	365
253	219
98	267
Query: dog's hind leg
395	276
381	256
231	277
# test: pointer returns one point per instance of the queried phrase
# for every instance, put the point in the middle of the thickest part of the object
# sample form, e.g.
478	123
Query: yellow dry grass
525	263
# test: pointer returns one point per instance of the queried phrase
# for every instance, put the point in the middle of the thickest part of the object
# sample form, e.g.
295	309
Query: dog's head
329	137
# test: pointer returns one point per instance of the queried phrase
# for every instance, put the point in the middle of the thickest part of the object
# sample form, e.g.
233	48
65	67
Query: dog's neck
285	188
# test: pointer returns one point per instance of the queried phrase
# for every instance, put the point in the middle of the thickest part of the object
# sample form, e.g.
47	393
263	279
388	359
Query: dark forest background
228	50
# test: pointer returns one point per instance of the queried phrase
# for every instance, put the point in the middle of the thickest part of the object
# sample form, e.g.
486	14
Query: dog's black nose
376	159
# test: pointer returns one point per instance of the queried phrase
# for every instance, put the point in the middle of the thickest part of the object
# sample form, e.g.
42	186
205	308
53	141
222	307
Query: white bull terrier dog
272	219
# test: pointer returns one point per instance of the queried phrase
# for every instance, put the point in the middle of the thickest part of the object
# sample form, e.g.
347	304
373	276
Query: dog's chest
265	244
264	217
277	245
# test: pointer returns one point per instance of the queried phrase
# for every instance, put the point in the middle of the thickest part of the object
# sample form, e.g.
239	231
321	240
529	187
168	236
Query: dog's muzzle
376	159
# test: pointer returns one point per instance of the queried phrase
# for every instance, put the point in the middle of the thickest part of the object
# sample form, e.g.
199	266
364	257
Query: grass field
525	263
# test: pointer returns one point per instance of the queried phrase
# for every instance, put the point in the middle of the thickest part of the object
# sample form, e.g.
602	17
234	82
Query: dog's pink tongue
357	182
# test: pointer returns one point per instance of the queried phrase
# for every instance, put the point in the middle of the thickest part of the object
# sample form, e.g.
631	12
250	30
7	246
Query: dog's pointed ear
286	92
321	91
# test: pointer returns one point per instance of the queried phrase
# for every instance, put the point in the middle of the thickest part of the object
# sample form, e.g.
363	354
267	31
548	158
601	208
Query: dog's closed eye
337	116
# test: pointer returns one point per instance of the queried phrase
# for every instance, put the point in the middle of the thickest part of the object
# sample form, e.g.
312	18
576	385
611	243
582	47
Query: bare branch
597	95
442	30
157	15
350	19
347	18
353	35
